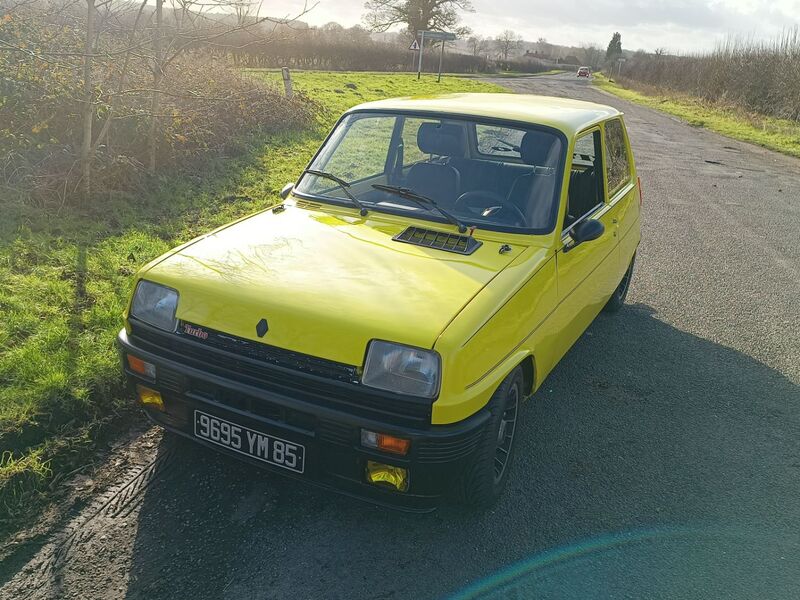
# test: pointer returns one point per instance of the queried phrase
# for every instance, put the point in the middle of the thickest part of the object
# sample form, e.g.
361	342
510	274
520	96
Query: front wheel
484	479
617	299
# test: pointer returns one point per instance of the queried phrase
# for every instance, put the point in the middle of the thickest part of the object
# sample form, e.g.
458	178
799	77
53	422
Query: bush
313	52
759	77
206	108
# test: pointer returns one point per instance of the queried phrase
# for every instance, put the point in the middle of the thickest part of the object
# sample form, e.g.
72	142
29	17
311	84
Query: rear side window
499	141
617	162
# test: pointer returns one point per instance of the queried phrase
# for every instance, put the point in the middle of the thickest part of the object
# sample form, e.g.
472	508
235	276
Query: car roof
569	116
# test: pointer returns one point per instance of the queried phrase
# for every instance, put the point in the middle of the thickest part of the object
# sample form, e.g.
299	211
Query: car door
586	273
623	195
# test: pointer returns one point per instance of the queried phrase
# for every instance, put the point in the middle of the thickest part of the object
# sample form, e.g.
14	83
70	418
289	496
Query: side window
362	152
584	153
617	163
585	190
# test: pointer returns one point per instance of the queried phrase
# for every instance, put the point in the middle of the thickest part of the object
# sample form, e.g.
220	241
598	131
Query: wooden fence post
287	82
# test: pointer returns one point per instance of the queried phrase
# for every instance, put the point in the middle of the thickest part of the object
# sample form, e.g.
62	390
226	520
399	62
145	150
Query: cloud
678	25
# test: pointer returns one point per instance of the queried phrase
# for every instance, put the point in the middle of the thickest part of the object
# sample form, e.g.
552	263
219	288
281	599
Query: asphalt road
660	459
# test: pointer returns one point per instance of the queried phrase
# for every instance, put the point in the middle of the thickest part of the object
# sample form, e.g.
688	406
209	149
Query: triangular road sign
414	46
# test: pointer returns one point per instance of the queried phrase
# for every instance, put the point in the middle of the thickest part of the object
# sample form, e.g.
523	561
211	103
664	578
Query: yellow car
376	331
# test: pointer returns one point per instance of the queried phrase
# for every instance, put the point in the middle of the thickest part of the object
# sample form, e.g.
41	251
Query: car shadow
640	426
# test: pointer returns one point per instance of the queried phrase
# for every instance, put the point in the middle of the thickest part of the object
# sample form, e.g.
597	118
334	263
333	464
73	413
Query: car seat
529	191
438	181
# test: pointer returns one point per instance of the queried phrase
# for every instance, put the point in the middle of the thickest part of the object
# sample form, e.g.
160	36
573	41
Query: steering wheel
490	204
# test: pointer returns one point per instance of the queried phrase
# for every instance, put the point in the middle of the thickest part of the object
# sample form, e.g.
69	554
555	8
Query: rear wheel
617	299
484	479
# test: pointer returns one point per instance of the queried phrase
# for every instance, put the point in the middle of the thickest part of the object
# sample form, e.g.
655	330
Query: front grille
336	433
440	240
254	406
273	355
305	385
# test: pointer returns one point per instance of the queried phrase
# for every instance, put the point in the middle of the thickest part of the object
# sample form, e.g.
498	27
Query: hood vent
449	242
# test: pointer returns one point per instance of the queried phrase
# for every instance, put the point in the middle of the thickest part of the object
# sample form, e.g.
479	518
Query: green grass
65	277
781	135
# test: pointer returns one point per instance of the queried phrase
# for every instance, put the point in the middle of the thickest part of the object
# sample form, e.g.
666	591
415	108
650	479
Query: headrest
442	139
536	147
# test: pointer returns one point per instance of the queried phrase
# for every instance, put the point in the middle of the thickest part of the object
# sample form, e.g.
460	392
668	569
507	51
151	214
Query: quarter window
617	163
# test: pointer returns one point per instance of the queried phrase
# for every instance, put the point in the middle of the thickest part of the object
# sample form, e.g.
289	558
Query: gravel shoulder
663	448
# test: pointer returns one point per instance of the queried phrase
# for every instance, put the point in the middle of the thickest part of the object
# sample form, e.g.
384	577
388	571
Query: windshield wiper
342	184
509	147
422	201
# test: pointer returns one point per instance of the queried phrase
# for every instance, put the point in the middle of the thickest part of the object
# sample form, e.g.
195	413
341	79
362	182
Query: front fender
494	333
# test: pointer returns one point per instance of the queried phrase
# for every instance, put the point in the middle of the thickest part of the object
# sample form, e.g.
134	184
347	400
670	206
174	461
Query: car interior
514	189
481	173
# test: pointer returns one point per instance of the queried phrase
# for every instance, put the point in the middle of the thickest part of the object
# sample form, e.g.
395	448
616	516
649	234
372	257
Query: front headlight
402	369
155	305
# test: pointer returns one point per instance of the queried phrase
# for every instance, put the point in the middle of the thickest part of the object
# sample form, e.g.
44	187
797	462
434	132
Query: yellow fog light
387	475
149	397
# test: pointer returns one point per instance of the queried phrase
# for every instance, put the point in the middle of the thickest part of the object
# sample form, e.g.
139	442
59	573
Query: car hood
326	283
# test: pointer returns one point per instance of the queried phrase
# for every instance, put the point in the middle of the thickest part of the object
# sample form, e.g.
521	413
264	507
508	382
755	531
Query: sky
678	26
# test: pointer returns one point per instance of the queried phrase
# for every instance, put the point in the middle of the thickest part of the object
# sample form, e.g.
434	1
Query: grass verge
65	276
781	135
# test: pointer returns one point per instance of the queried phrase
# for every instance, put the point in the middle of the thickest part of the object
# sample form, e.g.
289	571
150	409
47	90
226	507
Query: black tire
617	299
485	478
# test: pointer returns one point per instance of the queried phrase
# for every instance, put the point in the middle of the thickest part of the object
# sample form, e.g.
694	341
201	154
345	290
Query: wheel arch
528	375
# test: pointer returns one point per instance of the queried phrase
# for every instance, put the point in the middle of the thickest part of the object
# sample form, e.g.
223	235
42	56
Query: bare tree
592	55
478	45
244	11
544	48
416	15
88	100
507	43
108	44
158	62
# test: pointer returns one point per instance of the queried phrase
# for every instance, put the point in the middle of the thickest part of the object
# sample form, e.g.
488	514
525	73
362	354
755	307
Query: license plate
267	448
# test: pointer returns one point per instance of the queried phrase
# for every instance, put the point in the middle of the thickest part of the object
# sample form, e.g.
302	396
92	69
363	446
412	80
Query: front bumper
331	436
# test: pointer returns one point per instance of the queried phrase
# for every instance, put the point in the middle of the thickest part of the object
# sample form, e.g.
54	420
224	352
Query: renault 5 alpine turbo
376	331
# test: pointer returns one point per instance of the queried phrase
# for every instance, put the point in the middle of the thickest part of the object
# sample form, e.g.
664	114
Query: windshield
483	173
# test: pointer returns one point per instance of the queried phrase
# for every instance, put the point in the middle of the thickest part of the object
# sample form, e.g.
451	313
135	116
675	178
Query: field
66	274
781	135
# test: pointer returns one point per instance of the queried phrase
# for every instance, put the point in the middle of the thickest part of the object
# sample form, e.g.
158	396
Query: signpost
442	36
620	60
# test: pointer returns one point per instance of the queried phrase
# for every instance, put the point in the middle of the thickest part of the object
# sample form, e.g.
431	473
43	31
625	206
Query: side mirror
585	231
287	189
